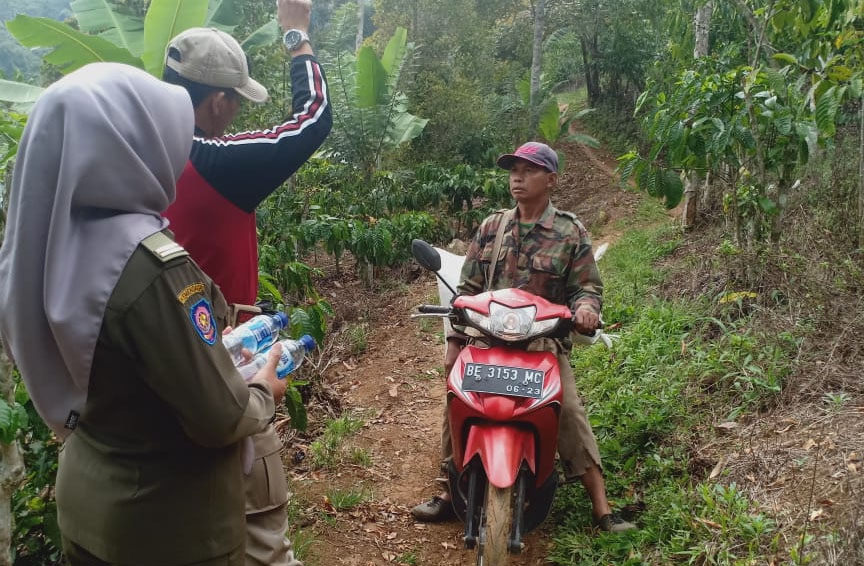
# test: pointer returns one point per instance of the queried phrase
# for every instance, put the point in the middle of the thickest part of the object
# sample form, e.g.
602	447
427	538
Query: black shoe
434	511
613	523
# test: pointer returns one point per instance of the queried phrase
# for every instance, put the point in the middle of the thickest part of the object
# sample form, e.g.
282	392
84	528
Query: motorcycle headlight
509	324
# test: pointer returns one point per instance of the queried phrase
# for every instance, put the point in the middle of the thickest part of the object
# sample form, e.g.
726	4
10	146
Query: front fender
502	449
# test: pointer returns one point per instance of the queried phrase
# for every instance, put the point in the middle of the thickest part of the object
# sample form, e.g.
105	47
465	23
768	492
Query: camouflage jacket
554	260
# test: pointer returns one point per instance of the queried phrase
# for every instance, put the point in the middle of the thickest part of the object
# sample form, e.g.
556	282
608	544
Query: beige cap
214	58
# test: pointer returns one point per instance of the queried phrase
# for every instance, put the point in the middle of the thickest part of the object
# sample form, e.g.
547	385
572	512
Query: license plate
503	380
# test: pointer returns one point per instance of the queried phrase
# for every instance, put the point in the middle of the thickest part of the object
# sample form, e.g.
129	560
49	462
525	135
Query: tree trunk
361	17
11	462
861	174
691	199
587	70
592	79
701	28
537	53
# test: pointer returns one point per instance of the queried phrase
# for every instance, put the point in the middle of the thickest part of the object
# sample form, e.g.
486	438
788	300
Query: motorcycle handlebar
568	327
433	309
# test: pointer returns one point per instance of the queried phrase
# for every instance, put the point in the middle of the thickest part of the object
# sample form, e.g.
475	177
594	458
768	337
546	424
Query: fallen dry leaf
718	469
809	444
729	425
391	536
852	467
388	556
394	391
448	545
785	428
709	523
817	514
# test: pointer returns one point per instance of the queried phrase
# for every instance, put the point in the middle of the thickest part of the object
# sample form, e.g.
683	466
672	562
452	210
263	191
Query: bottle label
261	332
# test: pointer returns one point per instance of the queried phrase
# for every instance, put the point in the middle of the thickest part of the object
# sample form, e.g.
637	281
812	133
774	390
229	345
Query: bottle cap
308	342
283	319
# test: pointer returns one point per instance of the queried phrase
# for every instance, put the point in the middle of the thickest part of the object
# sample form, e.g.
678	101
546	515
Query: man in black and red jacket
213	217
228	176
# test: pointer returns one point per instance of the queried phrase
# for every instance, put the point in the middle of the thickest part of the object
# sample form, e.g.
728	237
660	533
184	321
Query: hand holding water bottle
293	354
265	371
267	374
255	335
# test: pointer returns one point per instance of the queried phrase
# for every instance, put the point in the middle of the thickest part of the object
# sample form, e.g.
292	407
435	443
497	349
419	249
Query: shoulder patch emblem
195	288
202	319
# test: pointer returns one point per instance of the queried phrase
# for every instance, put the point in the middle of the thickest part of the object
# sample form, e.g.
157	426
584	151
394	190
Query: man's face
530	183
227	108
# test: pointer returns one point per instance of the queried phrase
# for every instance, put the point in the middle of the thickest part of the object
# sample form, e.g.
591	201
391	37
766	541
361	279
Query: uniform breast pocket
547	277
486	255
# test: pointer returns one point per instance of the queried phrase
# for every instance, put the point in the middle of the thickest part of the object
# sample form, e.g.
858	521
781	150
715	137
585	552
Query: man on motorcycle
546	252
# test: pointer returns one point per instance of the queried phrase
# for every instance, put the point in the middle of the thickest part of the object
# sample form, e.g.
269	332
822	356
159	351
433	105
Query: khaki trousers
266	497
78	556
577	446
266	543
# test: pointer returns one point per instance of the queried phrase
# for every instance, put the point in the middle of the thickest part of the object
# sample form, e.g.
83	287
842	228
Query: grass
408	559
358	338
330	450
301	539
675	365
347	499
574	98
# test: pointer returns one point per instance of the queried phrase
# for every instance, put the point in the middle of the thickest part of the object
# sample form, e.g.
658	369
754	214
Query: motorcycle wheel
497	516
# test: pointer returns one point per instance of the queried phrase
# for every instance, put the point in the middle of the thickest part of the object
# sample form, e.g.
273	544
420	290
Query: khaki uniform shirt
153	474
553	260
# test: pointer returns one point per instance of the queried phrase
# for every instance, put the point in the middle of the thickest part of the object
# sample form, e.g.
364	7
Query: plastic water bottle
293	354
255	335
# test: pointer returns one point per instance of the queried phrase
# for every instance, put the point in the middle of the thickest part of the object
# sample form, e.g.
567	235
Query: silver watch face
293	38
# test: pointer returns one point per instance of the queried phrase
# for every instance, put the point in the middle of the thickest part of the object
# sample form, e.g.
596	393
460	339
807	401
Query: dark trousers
78	556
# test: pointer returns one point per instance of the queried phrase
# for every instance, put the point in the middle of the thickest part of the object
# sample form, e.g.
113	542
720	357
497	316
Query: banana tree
107	34
371	113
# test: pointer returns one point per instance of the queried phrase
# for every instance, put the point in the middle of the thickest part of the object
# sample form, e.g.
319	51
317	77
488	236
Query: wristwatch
294	38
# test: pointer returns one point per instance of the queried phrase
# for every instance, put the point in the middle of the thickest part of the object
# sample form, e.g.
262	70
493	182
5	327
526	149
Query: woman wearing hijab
116	331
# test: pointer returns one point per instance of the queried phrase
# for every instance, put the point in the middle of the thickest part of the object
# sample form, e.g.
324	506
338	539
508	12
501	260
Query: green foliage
70	49
164	20
330	449
371	114
102	17
11	127
334	208
19	93
36	536
750	122
347	499
357	338
642	397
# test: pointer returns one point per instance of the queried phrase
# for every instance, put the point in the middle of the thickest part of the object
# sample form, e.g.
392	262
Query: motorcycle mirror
425	255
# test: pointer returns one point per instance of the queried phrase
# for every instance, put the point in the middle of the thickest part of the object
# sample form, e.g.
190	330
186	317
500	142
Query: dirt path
396	386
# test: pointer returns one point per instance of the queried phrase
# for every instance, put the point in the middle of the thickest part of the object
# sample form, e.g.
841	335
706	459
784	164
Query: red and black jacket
227	177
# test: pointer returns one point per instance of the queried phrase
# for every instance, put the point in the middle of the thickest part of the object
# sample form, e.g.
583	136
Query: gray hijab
96	166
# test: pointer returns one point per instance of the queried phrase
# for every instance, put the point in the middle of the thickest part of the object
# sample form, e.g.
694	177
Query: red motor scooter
503	407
